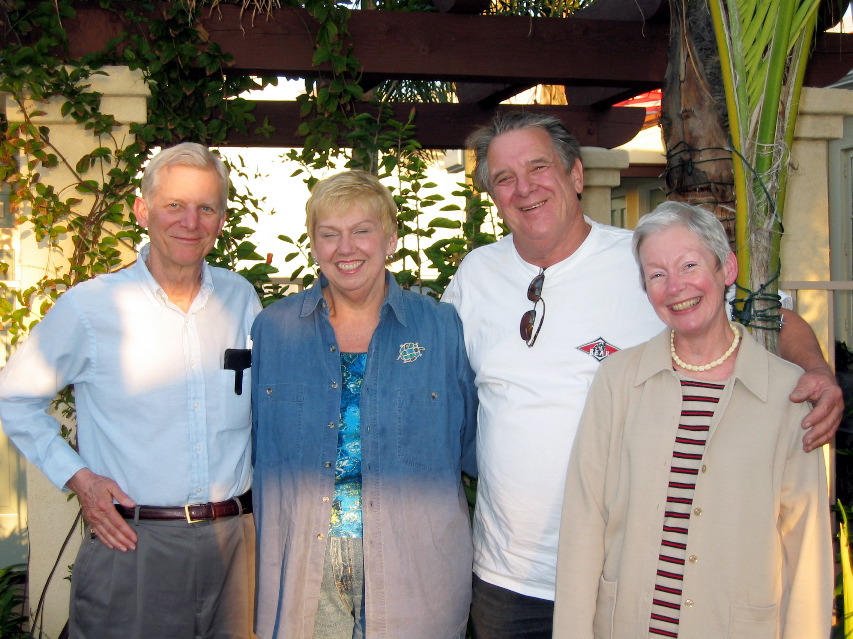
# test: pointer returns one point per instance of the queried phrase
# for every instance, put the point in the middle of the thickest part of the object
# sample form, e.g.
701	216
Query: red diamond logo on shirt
599	349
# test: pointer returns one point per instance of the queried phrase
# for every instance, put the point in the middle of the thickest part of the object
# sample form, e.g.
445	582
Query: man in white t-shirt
532	378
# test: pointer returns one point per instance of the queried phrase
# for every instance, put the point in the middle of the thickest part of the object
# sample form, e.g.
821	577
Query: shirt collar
751	366
393	298
158	295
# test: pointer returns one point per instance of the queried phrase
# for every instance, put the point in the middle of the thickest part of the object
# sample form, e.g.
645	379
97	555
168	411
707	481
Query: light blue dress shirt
156	411
418	409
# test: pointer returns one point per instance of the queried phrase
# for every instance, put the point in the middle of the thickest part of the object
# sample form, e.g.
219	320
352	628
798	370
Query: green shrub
12	618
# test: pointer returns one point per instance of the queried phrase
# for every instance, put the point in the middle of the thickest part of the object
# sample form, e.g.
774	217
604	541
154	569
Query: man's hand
798	344
820	387
96	494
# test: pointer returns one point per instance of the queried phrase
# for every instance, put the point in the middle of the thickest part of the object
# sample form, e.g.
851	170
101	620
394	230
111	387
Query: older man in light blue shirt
158	355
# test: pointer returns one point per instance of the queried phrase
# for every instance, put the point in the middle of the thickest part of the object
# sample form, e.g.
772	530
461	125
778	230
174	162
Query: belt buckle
190	520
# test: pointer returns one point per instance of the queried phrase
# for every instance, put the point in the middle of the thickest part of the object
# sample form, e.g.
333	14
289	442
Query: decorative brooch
410	351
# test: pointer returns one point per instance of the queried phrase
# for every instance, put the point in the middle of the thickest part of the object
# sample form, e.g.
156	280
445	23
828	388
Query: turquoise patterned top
346	507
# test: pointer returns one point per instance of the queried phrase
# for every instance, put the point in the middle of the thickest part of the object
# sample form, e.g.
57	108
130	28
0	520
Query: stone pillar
805	244
601	169
50	513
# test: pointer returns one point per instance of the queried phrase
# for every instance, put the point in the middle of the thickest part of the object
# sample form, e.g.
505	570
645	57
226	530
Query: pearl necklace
704	367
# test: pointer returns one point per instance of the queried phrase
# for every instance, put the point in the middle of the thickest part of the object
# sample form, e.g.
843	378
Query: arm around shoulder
798	344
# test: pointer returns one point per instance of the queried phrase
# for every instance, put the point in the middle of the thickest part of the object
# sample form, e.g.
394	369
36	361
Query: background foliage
194	98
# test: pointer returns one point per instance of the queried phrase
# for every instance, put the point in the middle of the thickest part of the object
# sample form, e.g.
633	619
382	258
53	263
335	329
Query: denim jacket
418	420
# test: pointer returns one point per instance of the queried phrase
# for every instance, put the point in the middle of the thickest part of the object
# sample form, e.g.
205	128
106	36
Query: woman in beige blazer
691	510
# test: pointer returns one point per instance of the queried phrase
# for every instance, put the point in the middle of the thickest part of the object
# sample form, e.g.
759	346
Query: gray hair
565	144
701	222
185	154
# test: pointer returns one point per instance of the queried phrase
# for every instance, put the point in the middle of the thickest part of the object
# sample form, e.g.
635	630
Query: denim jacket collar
393	299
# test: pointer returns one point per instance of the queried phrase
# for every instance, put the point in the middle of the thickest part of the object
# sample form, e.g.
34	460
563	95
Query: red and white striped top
699	401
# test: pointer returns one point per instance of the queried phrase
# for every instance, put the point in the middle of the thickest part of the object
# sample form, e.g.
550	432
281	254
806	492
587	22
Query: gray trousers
183	581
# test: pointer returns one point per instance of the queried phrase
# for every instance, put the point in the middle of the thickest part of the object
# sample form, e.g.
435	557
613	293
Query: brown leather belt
192	513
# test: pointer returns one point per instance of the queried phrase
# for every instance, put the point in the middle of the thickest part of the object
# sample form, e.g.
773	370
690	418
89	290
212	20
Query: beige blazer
759	549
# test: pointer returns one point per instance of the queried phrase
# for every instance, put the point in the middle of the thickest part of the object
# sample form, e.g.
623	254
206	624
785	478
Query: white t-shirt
531	399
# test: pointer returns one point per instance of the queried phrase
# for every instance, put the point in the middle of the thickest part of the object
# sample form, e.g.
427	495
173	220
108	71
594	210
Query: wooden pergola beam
600	61
453	47
426	46
445	126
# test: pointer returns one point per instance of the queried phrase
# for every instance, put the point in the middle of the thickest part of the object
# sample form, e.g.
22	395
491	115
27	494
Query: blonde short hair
337	194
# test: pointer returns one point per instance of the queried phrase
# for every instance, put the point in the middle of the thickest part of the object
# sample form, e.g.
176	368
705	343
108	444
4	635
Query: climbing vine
193	98
87	228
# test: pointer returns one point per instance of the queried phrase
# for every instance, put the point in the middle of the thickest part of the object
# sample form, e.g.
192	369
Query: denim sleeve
468	391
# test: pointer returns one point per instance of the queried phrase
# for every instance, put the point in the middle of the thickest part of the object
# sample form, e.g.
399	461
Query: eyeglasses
528	320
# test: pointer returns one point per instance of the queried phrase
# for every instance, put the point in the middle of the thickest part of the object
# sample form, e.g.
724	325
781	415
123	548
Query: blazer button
688	603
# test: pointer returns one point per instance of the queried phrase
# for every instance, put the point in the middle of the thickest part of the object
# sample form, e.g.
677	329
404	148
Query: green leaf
445	223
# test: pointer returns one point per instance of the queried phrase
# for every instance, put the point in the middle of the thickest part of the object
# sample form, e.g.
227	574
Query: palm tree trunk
693	115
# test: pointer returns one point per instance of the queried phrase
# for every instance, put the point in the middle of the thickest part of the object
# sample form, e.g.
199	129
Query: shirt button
697	511
333	348
688	603
325	499
331	424
192	362
693	559
269	391
434	395
195	405
704	468
198	491
198	449
334	384
321	536
328	464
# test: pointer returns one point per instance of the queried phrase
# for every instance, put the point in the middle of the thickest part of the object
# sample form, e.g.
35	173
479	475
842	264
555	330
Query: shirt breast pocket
424	433
280	422
234	410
